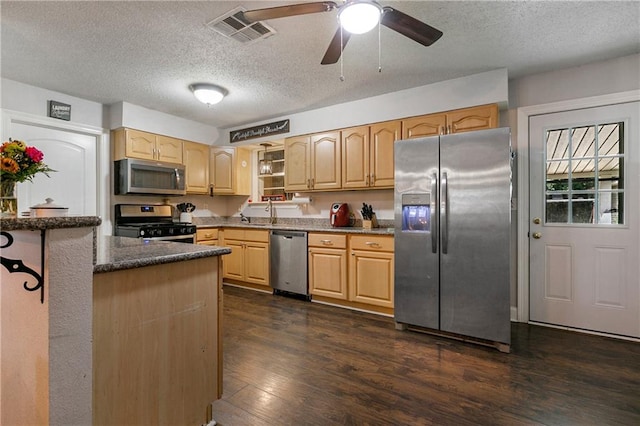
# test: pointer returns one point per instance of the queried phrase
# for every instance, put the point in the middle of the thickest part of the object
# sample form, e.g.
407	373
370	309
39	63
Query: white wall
478	89
124	114
598	78
34	100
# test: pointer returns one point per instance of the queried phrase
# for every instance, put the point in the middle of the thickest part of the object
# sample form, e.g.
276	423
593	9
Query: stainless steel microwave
148	178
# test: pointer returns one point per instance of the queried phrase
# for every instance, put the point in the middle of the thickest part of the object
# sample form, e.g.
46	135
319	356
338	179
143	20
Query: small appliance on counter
339	215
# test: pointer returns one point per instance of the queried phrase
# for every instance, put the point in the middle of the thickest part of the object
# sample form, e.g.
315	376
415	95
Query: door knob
537	235
536	221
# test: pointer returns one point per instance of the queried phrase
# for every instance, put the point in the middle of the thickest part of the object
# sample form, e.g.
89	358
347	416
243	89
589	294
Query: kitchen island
157	349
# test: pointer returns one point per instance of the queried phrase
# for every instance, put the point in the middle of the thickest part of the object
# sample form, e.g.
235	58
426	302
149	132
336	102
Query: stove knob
183	231
157	232
142	233
171	231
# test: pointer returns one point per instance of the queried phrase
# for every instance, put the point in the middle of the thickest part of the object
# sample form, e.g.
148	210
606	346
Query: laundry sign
260	131
59	110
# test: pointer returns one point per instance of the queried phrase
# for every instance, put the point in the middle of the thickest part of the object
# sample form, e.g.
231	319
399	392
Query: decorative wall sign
59	110
259	131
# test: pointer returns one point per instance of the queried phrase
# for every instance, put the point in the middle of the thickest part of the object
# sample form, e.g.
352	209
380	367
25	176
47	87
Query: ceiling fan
355	17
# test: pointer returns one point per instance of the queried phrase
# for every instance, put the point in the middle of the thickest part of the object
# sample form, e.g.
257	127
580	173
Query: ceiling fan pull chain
379	50
341	55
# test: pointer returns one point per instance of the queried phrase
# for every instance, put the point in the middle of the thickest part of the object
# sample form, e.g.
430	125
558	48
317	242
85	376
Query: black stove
150	221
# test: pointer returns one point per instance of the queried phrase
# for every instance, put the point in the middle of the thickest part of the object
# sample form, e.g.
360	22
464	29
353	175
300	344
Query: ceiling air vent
234	25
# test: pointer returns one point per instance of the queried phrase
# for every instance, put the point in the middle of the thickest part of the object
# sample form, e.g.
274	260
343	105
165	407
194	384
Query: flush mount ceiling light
359	17
209	94
265	166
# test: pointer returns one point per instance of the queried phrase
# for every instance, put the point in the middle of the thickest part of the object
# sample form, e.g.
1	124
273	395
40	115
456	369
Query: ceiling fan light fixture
359	17
208	94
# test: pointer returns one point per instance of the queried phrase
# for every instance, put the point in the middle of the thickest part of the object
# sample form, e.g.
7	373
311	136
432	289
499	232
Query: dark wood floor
291	362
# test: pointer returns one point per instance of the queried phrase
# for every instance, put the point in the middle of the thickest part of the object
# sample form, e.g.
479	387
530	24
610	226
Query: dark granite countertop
27	224
116	253
299	227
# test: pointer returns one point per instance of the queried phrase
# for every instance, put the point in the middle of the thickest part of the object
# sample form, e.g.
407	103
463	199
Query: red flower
34	154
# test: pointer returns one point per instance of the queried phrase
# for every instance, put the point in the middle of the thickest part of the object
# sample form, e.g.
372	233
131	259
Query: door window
584	174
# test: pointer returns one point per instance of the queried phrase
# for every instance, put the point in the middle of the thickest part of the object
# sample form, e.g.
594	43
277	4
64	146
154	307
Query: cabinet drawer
256	235
371	242
206	234
327	240
233	234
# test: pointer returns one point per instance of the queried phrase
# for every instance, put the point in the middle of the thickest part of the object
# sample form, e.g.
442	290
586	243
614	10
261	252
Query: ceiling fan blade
290	10
410	27
335	50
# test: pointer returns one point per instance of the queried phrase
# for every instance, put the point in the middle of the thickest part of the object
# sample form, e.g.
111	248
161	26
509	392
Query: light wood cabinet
313	162
367	155
207	236
230	172
249	258
457	121
371	272
196	161
157	343
130	143
328	265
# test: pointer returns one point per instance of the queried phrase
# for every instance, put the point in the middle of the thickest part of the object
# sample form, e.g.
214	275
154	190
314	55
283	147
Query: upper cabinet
367	155
130	143
313	162
461	120
230	172
196	161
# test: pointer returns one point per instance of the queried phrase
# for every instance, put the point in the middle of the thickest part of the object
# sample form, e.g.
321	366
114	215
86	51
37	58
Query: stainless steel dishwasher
288	263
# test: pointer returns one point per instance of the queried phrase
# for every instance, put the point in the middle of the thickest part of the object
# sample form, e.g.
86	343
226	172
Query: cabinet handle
372	244
373	179
309	183
210	190
367	181
158	151
326	242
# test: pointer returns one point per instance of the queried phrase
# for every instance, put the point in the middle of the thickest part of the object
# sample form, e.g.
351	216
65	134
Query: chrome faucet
243	218
271	210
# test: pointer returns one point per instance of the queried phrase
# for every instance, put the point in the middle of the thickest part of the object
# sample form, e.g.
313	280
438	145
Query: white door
73	155
584	219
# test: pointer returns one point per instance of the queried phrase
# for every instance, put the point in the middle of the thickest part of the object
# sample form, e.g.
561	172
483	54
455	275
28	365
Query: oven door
175	239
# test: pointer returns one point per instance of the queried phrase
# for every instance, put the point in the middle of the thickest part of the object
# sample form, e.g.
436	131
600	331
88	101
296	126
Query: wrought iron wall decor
18	266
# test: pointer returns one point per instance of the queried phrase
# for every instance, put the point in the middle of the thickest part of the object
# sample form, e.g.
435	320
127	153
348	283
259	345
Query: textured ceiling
147	53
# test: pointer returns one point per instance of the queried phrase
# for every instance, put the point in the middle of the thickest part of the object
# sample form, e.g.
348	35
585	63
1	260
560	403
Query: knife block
370	224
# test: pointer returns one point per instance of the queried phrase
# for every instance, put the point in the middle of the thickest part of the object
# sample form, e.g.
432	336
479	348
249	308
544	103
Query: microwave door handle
434	216
177	178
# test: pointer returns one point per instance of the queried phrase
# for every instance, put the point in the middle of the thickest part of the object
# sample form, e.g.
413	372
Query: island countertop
115	253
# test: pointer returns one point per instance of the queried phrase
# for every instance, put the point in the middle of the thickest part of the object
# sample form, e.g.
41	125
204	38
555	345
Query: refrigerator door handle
444	213
434	217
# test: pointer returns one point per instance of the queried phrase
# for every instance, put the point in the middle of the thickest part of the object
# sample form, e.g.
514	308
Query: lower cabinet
328	265
352	270
248	261
371	270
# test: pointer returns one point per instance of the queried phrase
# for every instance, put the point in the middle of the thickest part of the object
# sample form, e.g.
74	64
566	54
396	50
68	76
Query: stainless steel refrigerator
452	234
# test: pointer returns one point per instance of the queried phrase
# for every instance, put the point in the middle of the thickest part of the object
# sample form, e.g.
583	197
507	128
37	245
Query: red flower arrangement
19	162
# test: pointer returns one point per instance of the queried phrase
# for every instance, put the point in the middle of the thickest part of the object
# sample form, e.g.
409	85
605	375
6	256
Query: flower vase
8	199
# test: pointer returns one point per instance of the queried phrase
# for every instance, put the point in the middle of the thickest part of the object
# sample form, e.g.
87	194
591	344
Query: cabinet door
196	161
468	119
168	149
222	176
140	145
326	161
371	278
383	136
233	263
355	157
256	257
328	272
297	171
425	125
